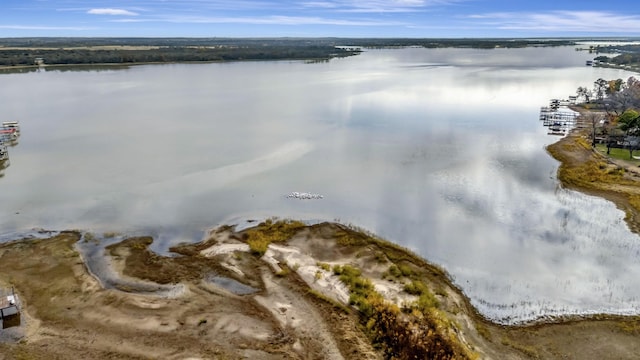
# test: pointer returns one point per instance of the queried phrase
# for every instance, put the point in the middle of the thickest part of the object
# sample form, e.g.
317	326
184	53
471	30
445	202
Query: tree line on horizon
70	51
625	54
79	56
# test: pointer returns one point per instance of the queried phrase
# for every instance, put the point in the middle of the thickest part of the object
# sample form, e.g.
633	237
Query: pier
558	117
9	135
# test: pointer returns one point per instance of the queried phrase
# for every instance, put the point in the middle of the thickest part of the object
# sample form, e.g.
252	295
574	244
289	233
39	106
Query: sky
320	18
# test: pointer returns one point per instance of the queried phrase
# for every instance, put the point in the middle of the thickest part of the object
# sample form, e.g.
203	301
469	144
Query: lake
438	150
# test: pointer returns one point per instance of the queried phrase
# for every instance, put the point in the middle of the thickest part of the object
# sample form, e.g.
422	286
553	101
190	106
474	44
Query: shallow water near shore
438	150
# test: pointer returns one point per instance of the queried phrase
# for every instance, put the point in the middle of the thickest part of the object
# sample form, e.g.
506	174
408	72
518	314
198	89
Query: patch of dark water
92	250
231	285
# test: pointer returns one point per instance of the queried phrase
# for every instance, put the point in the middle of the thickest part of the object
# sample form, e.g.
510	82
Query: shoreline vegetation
34	53
597	157
60	53
585	169
324	291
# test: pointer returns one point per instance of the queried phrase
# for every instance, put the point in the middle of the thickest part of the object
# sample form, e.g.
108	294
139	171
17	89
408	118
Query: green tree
601	88
584	93
629	122
595	120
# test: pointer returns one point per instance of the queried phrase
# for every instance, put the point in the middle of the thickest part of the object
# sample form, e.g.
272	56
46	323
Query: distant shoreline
127	65
28	52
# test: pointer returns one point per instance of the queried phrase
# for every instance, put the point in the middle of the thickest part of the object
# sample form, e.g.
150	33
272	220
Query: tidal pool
438	150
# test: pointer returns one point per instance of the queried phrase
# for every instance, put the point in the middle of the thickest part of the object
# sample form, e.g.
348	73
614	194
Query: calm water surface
438	150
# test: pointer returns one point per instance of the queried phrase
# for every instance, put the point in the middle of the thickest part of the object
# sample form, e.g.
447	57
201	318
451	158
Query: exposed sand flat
223	249
69	314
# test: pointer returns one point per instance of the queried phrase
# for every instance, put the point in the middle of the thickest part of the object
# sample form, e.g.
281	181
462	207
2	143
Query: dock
558	117
4	153
9	135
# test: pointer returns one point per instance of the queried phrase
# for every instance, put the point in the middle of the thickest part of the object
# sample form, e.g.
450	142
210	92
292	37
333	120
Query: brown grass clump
418	335
422	333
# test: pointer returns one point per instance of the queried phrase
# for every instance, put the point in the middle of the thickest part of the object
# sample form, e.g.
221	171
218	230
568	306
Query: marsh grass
258	243
285	271
423	333
630	327
335	304
587	170
393	271
426	299
418	331
259	237
483	331
525	349
583	167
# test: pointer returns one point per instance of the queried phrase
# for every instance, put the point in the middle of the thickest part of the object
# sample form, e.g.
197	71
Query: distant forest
71	51
625	54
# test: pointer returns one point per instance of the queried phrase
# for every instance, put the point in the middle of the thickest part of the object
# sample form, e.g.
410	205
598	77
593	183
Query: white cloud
43	27
377	6
111	12
562	21
320	4
267	20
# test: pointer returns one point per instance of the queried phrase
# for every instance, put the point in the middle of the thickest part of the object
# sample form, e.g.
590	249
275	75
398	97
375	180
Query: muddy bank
298	307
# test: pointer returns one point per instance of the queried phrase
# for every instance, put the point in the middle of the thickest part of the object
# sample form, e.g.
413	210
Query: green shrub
426	299
416	288
284	272
405	270
269	231
394	271
258	244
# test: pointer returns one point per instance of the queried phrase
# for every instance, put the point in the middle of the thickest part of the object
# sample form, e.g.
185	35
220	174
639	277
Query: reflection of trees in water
3	165
6	142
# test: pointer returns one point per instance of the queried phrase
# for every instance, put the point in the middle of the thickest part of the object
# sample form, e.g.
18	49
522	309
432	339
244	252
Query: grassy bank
585	169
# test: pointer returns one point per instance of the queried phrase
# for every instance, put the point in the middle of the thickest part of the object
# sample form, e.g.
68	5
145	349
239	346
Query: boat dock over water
558	117
10	131
12	125
4	153
9	134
